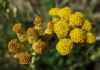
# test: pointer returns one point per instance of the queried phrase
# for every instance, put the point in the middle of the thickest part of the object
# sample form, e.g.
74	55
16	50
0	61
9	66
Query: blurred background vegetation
24	11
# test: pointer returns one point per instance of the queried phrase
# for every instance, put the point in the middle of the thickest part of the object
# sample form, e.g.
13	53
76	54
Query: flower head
32	35
47	35
17	28
76	20
16	47
61	28
25	58
13	46
40	47
53	12
64	46
32	32
87	26
77	35
90	38
65	13
38	21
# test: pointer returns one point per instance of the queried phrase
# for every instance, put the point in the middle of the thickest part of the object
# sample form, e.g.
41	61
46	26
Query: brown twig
57	3
85	5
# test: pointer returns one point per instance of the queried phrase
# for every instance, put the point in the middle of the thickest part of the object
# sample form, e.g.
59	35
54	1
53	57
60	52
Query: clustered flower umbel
35	36
70	27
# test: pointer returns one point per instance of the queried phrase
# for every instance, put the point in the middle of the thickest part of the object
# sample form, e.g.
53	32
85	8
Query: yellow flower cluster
35	36
20	51
71	26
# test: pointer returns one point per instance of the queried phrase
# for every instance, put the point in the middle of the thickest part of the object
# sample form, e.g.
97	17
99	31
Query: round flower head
61	28
65	13
25	58
39	47
76	20
90	38
13	46
38	21
17	28
77	35
32	32
87	26
53	12
64	46
16	47
32	35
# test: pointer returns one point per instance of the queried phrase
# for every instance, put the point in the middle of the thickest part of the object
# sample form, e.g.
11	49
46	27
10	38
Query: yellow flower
38	21
25	58
13	46
65	13
61	28
90	38
53	12
77	35
39	25
39	47
47	35
17	28
76	20
87	26
64	46
21	34
16	47
32	35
